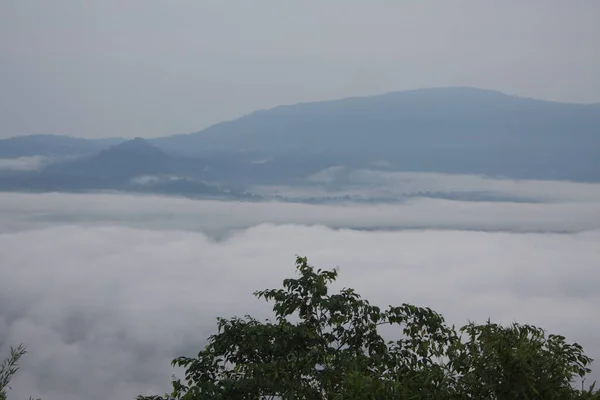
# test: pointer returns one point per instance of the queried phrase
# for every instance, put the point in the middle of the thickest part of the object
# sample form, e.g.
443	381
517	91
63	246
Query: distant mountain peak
136	146
119	163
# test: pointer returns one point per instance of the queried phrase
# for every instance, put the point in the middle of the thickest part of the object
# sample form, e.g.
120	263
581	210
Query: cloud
153	179
20	211
389	185
106	289
31	163
104	309
411	182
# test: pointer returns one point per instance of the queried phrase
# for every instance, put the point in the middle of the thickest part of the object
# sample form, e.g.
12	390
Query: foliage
334	351
9	368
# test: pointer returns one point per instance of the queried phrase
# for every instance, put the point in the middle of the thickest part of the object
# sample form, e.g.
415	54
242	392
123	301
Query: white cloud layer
390	185
31	163
19	211
106	289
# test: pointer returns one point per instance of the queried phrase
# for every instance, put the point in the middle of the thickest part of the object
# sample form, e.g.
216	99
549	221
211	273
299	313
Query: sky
150	68
105	289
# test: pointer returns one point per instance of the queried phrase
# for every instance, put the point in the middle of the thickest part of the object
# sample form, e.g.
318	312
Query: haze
117	255
106	289
150	68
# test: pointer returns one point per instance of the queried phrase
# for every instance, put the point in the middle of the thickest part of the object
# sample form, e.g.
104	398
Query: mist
22	163
105	289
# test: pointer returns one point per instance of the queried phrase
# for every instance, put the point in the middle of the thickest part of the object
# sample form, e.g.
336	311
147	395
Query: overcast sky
149	68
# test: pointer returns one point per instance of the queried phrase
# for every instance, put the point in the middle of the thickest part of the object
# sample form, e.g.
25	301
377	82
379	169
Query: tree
9	368
332	350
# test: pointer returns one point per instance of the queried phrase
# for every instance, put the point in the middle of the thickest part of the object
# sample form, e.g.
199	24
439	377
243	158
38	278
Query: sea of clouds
105	289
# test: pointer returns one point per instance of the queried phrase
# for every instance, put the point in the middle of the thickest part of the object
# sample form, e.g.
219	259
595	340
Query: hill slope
122	161
450	130
460	130
134	165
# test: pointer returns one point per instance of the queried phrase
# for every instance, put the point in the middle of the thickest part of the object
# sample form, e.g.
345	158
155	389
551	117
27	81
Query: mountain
133	166
448	130
455	130
52	145
122	162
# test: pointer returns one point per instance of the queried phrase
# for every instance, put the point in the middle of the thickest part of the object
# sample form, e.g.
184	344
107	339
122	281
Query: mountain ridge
467	89
450	130
447	89
468	114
